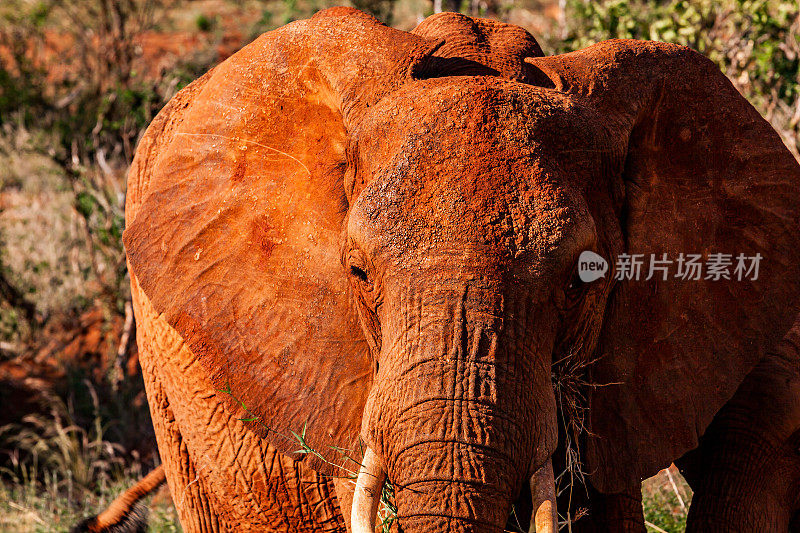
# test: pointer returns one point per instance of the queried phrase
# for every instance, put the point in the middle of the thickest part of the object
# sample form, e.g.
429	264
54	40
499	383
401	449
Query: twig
10	347
675	488
30	512
653	526
192	482
100	157
124	343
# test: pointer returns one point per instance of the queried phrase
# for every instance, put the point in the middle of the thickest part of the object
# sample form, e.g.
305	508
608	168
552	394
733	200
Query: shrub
756	43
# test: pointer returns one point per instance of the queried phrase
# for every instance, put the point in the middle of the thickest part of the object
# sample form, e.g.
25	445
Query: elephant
364	244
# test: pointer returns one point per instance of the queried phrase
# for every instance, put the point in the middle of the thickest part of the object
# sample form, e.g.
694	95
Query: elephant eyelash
576	290
355	259
359	273
575	280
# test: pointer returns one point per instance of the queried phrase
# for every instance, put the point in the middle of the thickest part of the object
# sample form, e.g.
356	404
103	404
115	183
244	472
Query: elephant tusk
543	492
367	495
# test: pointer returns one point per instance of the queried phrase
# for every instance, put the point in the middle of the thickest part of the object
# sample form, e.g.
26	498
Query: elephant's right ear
237	239
693	169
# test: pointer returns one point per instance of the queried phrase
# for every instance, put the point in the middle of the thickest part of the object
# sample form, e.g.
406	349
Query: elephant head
374	235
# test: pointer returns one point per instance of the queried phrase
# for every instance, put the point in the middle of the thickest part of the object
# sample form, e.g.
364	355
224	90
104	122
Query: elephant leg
222	476
595	512
746	472
197	509
620	512
592	511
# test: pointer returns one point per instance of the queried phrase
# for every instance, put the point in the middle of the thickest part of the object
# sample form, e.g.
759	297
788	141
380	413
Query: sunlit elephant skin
373	235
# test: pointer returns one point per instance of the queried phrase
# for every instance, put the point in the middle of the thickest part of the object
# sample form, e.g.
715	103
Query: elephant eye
359	273
575	289
576	285
357	261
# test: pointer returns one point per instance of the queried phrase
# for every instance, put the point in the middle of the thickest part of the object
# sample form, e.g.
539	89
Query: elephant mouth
372	476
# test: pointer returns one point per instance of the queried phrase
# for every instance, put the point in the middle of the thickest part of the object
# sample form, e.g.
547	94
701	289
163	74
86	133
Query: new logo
591	266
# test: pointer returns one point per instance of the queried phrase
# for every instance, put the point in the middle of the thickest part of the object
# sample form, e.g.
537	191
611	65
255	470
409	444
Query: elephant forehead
463	160
462	112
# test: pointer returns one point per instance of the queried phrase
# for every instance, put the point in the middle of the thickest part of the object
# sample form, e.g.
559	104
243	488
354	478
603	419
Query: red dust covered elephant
372	238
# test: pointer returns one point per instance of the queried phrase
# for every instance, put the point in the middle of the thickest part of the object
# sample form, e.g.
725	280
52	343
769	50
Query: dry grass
38	508
43	241
58	471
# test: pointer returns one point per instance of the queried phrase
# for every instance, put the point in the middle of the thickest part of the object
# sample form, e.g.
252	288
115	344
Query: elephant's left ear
237	240
702	173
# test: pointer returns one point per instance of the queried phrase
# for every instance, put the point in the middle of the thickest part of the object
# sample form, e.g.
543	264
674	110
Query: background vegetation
79	82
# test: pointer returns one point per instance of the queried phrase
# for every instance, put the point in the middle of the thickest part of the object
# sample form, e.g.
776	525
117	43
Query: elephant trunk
467	490
463	489
462	411
372	476
458	465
